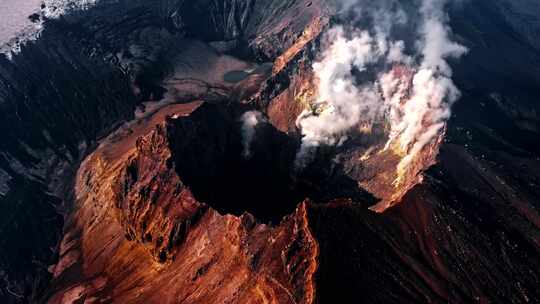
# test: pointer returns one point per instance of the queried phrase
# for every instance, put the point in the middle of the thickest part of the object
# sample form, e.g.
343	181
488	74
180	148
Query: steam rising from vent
341	102
388	64
249	120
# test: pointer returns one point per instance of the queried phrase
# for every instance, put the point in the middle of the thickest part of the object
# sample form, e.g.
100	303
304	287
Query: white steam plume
433	92
416	110
341	103
249	120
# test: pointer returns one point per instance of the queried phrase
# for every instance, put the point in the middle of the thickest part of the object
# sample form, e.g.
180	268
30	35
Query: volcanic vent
139	222
208	150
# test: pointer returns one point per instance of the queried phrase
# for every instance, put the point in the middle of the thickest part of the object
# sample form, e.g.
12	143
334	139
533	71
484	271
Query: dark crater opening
208	154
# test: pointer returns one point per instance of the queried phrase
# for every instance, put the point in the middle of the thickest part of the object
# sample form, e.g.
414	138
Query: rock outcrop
140	236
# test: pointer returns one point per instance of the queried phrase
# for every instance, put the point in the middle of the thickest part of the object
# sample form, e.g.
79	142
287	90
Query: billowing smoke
433	92
388	62
249	120
341	102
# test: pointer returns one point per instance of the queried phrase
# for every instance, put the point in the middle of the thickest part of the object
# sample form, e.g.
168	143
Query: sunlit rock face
143	237
368	156
168	134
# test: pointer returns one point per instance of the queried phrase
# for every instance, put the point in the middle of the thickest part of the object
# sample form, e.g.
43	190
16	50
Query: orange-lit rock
365	157
139	236
312	31
285	108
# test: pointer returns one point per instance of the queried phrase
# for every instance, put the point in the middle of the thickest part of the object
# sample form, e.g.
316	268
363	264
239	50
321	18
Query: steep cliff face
140	236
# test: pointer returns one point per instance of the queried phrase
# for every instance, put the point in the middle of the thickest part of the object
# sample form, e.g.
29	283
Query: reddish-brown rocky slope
139	236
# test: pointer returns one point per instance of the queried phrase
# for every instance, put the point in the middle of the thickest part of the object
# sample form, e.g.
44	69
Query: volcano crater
207	151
